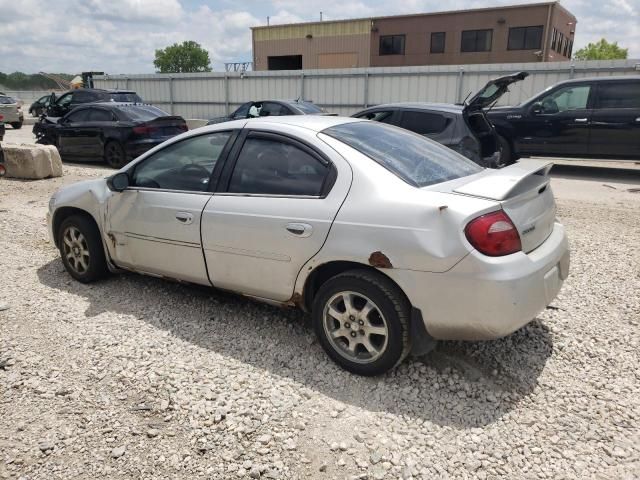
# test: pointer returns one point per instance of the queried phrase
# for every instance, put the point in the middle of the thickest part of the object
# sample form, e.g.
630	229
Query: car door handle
300	229
184	217
581	120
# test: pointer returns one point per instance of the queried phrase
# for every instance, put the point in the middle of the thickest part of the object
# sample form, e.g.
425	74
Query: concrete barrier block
31	161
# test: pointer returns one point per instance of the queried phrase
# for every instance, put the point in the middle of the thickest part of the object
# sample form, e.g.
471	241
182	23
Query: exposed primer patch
379	260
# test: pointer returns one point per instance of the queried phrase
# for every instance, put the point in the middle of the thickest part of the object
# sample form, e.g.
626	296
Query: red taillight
143	130
493	234
2	170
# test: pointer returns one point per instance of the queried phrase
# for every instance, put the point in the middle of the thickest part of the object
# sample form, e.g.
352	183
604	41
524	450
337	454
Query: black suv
60	106
585	117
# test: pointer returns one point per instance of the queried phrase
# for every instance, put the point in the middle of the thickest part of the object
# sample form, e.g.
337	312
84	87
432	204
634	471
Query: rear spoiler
509	181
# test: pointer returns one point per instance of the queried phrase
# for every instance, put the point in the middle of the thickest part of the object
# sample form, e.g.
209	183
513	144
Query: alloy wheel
76	250
355	327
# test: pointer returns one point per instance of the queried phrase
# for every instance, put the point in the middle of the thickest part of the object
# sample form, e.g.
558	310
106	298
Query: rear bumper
484	298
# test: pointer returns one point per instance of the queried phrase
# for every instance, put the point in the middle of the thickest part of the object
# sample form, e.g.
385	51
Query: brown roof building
520	33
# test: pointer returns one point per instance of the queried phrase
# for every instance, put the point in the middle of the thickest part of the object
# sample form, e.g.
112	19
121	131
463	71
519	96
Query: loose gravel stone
177	381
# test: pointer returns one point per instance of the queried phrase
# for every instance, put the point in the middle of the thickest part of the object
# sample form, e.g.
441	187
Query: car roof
600	79
315	123
112	105
440	107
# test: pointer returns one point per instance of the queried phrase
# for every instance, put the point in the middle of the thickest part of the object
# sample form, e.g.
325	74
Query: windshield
128	97
307	107
414	158
142	113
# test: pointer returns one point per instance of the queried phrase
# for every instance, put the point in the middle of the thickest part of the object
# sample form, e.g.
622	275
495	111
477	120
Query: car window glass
567	98
64	100
276	168
619	95
384	117
6	100
78	116
415	159
82	97
270	109
242	111
125	97
423	123
185	165
307	107
142	113
99	115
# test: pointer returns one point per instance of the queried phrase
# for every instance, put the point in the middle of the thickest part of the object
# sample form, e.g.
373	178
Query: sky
121	36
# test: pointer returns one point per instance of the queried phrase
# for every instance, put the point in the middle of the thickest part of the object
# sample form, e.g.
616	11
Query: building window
392	45
285	62
525	38
570	48
554	39
559	45
476	41
437	42
565	47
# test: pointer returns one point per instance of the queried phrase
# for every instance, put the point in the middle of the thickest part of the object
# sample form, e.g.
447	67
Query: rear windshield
307	107
142	113
128	97
7	100
415	159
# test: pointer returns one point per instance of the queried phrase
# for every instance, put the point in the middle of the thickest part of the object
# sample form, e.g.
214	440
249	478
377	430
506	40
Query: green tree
602	50
183	57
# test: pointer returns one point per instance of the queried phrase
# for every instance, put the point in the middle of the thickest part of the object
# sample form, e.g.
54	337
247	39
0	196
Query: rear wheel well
328	270
64	213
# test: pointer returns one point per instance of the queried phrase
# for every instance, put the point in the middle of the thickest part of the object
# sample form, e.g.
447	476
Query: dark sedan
463	128
271	108
114	132
38	107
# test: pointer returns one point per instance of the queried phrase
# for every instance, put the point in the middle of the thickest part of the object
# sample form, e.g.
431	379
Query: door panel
615	123
257	243
158	232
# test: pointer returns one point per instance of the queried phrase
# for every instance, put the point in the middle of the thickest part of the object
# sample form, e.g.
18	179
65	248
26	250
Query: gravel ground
136	377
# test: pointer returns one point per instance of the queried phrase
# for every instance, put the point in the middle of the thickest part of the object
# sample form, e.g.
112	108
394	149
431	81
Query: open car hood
493	90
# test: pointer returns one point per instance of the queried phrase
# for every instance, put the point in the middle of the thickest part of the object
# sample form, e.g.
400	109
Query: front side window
415	159
185	165
272	167
64	100
424	123
567	98
476	40
525	38
242	111
392	45
619	95
78	116
437	42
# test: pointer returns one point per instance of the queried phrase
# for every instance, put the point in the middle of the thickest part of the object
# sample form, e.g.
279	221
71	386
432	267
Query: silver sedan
389	239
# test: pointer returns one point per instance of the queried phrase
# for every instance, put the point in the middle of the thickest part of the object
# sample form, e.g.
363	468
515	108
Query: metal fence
345	91
28	96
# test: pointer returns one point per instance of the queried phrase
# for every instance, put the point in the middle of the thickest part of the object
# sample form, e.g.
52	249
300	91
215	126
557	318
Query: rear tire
114	154
16	125
506	151
367	331
81	249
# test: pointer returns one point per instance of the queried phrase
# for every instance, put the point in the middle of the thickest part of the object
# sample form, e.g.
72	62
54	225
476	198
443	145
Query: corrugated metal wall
345	91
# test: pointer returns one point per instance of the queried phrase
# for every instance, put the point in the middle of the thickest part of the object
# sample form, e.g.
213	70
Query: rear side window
424	123
83	97
619	95
270	109
272	167
307	107
415	159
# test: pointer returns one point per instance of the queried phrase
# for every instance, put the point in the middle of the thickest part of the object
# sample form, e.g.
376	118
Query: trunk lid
524	193
492	91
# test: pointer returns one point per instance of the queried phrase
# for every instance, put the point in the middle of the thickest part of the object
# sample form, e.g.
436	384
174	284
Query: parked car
60	106
584	117
463	128
39	107
271	108
11	110
389	239
113	132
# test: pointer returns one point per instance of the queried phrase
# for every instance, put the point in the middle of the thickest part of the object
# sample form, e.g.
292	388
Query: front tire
81	249
362	321
114	154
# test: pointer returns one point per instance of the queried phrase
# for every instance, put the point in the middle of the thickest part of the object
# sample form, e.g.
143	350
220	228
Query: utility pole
267	21
320	16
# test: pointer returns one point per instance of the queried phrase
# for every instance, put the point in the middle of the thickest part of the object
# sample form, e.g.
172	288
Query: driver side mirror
537	108
118	182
